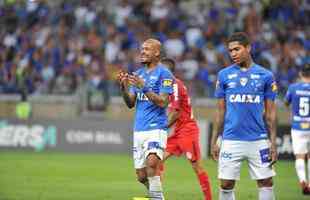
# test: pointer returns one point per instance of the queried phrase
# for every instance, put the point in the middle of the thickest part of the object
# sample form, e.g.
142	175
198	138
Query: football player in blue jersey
246	121
298	96
148	90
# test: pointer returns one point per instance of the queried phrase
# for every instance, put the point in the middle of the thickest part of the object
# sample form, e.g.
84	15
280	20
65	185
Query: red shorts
188	145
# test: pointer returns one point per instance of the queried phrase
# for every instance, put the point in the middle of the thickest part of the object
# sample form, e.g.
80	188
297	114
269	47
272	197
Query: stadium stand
54	47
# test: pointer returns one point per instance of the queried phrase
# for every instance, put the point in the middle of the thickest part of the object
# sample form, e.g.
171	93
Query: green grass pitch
63	176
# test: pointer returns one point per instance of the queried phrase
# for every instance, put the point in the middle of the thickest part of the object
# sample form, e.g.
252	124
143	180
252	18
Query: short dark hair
305	70
240	37
170	62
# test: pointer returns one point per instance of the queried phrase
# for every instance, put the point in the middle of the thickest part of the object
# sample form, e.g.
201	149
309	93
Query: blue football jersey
149	116
298	95
244	93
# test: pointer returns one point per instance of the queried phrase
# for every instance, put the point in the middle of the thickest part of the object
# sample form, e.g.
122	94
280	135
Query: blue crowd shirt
245	93
298	95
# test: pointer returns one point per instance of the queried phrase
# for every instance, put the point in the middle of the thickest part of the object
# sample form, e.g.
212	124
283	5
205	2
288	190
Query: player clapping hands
126	79
122	78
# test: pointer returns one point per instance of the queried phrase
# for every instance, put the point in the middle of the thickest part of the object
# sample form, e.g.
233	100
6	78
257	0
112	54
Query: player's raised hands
215	151
122	76
136	81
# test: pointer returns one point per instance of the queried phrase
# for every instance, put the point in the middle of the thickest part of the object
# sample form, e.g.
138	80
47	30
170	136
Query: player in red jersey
184	136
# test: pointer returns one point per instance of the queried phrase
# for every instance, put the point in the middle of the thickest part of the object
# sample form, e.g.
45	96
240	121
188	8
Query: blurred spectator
97	90
206	80
174	46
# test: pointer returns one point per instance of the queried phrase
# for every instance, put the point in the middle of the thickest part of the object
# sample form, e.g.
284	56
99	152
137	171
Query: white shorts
301	141
256	154
146	142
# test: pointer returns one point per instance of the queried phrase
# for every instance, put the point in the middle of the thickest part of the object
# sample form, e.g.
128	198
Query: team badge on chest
243	81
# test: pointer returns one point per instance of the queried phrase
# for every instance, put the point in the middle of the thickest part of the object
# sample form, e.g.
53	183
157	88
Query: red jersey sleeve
174	103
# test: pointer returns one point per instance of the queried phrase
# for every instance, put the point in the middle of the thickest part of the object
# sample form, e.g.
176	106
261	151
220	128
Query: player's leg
171	149
190	147
166	156
139	161
300	166
142	177
171	145
227	189
155	187
155	145
162	165
300	148
260	169
265	189
203	179
230	160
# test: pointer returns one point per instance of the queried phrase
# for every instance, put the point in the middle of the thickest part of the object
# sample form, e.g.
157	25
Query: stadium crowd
56	46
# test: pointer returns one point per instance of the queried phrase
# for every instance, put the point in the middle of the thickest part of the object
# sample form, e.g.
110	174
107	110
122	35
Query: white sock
300	169
155	188
266	193
227	194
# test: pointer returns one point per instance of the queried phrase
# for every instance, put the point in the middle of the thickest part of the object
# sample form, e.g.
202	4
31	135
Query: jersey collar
249	69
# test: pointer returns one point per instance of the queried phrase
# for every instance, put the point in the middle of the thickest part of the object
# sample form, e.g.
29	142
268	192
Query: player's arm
270	117
220	94
173	116
288	97
219	127
160	100
129	98
174	107
270	94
